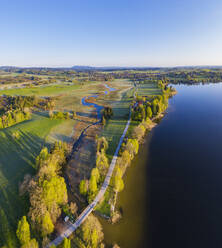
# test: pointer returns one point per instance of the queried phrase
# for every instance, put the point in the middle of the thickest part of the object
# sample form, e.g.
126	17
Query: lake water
173	189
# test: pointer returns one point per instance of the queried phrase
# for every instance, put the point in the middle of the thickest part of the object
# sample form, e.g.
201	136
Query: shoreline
154	122
141	143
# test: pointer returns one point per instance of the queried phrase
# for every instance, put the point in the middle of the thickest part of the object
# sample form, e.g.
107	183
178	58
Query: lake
173	189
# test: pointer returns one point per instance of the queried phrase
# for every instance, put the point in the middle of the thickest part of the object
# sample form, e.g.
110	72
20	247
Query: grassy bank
114	129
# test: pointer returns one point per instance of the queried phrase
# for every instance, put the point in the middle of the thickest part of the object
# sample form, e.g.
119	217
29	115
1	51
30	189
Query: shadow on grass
17	158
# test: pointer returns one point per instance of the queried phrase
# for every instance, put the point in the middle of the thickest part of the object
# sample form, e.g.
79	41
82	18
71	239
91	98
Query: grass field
148	89
51	90
63	132
17	158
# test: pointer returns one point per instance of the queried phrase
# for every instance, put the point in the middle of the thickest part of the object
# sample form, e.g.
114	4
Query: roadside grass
112	132
116	125
103	207
114	128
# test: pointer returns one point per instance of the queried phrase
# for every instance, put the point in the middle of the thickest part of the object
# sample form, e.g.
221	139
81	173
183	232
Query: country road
86	212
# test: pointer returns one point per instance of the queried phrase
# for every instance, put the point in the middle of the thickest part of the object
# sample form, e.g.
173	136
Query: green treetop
23	231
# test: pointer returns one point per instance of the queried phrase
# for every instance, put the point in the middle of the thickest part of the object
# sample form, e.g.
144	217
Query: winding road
86	212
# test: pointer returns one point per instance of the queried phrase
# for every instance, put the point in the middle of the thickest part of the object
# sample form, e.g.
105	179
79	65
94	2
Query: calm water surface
173	189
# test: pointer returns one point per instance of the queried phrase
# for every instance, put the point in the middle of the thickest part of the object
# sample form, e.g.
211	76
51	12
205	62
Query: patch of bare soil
84	159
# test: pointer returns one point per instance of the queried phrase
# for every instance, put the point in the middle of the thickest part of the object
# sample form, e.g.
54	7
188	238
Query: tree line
89	188
48	194
59	115
13	117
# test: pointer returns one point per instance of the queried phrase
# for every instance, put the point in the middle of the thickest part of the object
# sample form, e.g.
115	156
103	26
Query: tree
43	155
1	123
47	226
54	192
155	107
103	121
118	181
94	239
31	244
123	161
66	116
143	113
138	132
90	232
126	157
23	231
149	113
66	243
102	144
95	173
83	187
132	146
102	163
74	114
107	113
92	184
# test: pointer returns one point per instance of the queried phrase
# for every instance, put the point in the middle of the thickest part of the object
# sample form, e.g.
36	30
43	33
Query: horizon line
105	66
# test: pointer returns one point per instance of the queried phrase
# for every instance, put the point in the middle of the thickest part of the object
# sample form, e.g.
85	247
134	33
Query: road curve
86	212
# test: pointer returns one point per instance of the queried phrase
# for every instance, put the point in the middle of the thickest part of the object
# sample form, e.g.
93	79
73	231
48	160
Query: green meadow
148	89
50	90
17	158
17	154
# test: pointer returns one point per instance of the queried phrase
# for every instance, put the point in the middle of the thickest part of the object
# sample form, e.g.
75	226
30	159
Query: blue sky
110	32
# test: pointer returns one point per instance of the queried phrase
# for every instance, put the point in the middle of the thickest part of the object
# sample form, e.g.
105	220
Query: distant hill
7	67
82	67
110	68
107	68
